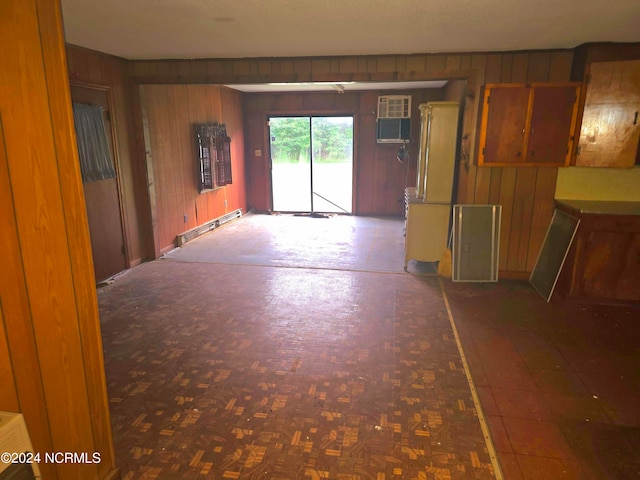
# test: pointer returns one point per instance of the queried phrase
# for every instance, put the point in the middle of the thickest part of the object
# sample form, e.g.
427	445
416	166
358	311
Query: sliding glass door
311	164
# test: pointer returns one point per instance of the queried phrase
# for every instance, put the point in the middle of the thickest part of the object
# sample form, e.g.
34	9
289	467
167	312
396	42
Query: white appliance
428	204
14	438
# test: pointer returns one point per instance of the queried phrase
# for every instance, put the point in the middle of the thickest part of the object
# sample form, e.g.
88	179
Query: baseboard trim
512	275
135	262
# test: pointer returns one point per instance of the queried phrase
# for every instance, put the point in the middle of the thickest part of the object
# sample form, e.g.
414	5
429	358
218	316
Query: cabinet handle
518	154
635	118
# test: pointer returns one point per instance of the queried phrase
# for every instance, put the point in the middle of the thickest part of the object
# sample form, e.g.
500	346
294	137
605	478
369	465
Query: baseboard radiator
194	233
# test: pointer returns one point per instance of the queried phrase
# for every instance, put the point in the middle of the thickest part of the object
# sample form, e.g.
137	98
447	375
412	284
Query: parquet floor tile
286	348
223	371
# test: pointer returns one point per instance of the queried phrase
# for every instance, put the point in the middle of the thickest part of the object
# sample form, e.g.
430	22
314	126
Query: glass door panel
290	142
332	164
311	164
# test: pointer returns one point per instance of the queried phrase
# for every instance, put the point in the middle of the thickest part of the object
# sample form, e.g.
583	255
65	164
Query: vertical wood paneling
506	67
452	63
55	335
8	393
379	178
172	110
526	194
483	186
521	218
465	63
44	249
494	189
231	112
493	69
543	207
538	70
560	66
436	63
17	326
156	156
78	240
378	181
416	63
506	199
199	68
520	68
98	69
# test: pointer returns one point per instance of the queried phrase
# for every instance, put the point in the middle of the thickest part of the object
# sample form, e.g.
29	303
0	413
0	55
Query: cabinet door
503	127
611	266
609	133
553	119
427	231
528	125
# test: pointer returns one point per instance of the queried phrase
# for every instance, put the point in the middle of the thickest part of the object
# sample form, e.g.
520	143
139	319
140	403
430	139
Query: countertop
601	207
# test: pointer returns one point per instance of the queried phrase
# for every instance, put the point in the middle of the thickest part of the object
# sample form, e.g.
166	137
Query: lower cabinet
426	230
603	262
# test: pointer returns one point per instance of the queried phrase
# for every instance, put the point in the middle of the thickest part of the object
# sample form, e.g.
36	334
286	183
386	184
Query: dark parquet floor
287	348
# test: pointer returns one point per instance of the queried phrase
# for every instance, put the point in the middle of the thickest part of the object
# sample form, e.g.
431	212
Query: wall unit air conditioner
394	119
14	439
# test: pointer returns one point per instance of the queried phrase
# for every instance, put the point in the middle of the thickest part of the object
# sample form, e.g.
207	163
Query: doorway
311	163
102	199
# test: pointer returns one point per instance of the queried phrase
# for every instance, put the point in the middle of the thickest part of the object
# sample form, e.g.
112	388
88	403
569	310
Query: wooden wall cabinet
528	124
610	129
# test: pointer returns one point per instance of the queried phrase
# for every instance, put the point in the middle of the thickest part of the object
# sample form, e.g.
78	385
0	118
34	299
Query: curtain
96	162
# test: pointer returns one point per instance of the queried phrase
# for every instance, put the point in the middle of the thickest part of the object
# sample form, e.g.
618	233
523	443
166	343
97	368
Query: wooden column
48	303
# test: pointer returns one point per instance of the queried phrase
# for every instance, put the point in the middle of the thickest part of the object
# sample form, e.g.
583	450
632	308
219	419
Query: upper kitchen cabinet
528	124
609	132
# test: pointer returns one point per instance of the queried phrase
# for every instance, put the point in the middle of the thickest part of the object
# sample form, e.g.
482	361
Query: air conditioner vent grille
394	106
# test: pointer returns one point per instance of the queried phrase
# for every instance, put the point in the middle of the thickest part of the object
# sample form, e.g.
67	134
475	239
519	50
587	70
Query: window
214	155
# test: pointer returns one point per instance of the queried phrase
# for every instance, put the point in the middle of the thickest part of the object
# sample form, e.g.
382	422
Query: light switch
258	153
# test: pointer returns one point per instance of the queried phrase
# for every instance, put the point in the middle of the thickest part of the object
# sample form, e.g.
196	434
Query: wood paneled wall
51	350
526	194
170	112
380	178
91	68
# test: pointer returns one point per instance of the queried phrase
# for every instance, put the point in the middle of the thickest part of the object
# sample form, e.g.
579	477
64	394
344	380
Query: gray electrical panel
476	243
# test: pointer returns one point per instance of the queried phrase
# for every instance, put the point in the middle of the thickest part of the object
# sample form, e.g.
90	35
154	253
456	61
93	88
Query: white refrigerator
428	204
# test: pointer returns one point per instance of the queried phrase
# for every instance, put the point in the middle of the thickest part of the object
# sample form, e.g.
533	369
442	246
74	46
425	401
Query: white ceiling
161	29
